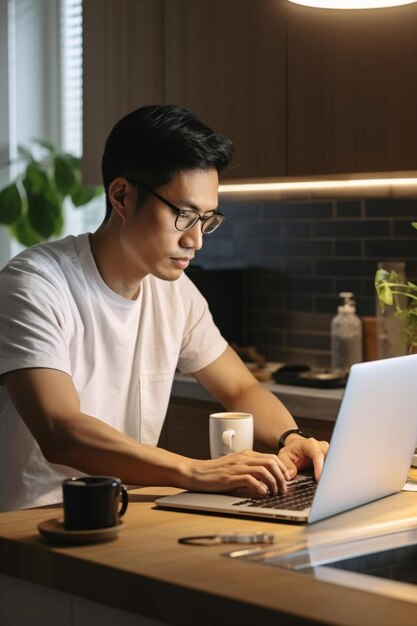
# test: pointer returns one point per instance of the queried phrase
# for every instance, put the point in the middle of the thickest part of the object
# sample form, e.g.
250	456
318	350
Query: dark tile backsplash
297	257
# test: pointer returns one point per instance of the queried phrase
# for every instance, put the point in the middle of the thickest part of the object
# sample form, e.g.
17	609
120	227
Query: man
93	327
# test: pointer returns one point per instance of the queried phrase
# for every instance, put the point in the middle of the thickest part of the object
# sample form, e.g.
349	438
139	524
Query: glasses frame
202	218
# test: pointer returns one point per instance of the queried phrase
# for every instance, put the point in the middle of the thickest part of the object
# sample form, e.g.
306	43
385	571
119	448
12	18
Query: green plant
31	206
403	296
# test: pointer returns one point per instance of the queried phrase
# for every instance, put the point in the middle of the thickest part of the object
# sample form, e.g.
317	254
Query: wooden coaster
53	530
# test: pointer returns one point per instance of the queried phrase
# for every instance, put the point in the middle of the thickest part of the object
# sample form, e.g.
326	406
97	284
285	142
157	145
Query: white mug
230	432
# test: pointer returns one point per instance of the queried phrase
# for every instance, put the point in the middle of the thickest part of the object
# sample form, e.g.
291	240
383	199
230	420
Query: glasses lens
186	220
212	223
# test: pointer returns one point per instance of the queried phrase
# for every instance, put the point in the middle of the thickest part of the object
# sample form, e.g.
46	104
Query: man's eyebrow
188	204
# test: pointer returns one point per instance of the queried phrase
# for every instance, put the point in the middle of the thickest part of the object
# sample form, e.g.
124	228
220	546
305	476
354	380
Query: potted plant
31	206
402	295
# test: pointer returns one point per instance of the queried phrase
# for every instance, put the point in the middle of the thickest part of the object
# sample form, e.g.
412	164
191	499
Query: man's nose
192	238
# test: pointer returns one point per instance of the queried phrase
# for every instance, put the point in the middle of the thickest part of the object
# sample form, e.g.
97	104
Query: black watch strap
292	431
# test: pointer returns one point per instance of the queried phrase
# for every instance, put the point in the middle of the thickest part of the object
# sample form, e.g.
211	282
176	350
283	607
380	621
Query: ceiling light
352	4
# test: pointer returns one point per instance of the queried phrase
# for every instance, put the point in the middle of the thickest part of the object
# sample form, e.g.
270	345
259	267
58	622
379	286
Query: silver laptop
369	457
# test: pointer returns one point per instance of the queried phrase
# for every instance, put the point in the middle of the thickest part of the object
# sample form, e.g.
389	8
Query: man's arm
234	386
48	402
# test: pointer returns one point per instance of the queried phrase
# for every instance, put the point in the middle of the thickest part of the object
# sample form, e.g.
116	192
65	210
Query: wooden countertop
145	571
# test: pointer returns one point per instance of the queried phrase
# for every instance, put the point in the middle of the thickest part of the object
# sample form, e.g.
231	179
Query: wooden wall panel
225	59
352	90
122	68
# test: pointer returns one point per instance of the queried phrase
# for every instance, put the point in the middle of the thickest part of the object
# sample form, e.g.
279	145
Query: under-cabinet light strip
352	4
316	185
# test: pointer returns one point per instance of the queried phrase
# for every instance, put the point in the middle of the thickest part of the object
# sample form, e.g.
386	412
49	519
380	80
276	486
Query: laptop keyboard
298	497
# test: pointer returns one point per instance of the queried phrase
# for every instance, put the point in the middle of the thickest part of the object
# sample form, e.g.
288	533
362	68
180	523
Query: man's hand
299	453
244	474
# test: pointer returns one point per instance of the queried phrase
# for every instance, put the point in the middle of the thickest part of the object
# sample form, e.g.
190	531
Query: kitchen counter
147	573
304	402
186	426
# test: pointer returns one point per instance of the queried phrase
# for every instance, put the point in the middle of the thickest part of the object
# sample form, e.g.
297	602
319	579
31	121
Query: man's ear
118	190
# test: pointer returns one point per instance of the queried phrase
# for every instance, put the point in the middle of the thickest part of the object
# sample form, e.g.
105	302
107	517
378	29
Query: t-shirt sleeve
202	341
32	320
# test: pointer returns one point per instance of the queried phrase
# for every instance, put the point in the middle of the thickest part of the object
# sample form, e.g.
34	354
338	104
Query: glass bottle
390	330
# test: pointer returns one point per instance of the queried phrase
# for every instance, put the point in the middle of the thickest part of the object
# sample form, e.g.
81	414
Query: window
71	105
71	74
41	92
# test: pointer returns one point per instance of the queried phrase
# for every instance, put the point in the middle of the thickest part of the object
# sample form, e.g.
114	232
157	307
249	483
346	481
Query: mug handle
125	500
227	437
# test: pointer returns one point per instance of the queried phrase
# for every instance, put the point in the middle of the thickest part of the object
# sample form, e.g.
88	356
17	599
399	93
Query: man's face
148	235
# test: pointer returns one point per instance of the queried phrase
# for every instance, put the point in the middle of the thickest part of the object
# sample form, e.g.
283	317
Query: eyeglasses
187	218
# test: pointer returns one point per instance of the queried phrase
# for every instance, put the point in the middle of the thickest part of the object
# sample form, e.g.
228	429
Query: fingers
255	483
316	451
286	457
301	452
247	473
269	469
318	455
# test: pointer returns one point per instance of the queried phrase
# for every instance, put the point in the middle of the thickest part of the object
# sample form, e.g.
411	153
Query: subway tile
296	229
271	299
348	247
254	282
256	317
249	250
391	249
342	267
240	211
218	246
326	304
273	337
310	285
295	266
364	306
368	286
391	207
212	263
316	341
351	228
257	230
256	337
350	284
302	248
278	318
411	269
225	231
303	321
276	282
298	259
296	210
300	303
403	228
348	209
299	356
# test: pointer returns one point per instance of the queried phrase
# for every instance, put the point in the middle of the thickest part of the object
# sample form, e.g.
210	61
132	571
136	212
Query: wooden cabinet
301	91
352	90
225	59
122	65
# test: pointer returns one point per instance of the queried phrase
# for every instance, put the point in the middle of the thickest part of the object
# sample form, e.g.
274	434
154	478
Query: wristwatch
292	431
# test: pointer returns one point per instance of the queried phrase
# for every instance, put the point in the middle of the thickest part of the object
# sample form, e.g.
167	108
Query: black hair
151	144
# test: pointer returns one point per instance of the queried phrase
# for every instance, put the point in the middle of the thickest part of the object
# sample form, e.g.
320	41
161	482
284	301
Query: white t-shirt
57	312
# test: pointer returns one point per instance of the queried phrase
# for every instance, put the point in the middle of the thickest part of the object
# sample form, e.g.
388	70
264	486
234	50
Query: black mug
92	502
